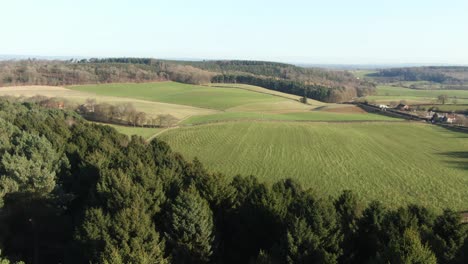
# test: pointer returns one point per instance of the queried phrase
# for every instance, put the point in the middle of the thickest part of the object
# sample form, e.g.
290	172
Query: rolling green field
397	163
387	94
178	93
301	116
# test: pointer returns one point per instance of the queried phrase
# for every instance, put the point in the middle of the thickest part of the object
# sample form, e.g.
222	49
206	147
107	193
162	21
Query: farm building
444	118
450	118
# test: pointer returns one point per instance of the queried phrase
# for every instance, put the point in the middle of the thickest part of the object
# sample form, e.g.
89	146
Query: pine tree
449	236
122	229
30	167
408	249
347	209
314	235
190	228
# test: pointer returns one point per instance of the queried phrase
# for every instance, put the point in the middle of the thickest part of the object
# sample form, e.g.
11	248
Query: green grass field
178	93
301	116
362	74
397	163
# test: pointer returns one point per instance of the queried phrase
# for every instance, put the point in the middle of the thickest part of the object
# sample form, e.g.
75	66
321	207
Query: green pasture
397	163
178	93
300	116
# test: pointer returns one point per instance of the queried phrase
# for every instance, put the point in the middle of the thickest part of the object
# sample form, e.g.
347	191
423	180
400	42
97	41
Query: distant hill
321	84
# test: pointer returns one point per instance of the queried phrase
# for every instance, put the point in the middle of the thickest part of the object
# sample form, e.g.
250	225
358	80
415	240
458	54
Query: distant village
429	115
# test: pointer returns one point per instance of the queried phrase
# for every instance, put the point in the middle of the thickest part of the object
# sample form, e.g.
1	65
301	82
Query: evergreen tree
190	228
449	236
30	166
408	249
348	212
369	240
314	233
122	228
303	245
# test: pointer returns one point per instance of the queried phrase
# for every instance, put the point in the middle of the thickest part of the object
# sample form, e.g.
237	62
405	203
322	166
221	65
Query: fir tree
190	228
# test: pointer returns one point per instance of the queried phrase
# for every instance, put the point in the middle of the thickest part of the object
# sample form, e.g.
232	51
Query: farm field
264	90
178	93
234	101
362	74
300	116
397	163
78	97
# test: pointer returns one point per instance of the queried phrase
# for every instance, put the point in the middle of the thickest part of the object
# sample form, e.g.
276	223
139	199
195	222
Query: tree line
120	114
454	76
76	192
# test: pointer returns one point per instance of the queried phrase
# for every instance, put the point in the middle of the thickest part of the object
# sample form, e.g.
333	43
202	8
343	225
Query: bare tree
442	98
140	118
167	120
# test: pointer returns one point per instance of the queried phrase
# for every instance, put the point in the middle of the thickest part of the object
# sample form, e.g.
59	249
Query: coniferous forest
76	192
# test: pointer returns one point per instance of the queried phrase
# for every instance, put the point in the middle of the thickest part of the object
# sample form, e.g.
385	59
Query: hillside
396	163
320	84
198	103
246	129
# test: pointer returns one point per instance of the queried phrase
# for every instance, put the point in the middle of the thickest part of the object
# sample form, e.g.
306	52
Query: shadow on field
462	157
463	130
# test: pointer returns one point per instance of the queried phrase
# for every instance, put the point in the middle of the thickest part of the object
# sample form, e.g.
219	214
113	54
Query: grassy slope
145	133
177	93
265	91
302	116
397	163
78	97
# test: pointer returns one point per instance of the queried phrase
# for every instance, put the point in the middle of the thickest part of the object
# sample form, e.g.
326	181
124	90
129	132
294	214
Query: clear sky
309	31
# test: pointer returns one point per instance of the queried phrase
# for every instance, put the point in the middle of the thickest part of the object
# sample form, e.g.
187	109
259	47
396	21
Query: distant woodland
76	192
320	84
453	77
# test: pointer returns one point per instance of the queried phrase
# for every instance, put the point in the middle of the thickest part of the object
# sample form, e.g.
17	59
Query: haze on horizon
300	31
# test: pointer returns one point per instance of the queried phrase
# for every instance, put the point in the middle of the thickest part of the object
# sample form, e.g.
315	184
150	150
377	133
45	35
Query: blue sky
332	31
